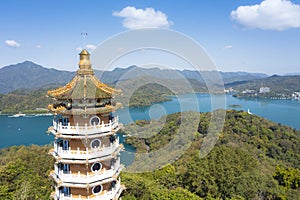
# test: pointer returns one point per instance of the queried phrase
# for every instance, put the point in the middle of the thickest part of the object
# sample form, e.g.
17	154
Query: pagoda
86	148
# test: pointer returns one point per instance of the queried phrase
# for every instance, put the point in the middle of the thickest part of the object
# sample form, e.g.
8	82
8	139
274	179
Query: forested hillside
253	159
25	101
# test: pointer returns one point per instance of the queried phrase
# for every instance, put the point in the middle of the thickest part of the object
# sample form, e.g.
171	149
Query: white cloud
90	46
269	15
228	47
38	46
12	43
78	48
143	18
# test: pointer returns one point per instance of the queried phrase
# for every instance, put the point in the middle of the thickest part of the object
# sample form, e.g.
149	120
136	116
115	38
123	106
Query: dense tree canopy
253	159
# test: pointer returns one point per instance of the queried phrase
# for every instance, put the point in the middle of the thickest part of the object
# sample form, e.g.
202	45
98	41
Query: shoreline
28	115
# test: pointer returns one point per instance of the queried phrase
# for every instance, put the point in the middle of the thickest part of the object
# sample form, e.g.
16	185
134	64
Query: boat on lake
18	115
43	114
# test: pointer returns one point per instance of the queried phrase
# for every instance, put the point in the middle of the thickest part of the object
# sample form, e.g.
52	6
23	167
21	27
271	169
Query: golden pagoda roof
84	84
84	52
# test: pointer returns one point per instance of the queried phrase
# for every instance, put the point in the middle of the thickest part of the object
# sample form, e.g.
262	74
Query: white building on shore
296	95
264	90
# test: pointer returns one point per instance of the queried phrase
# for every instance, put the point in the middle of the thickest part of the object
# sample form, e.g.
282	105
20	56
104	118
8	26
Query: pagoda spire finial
85	67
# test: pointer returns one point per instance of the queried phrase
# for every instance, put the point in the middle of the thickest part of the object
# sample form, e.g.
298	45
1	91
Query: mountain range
28	75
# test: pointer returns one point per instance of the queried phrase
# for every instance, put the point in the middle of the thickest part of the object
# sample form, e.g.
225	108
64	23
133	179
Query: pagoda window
112	138
96	167
65	145
66	168
113	184
66	191
110	116
97	189
59	143
63	120
95	120
95	144
60	166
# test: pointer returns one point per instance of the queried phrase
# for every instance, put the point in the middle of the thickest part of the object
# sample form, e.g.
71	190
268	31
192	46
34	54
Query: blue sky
244	35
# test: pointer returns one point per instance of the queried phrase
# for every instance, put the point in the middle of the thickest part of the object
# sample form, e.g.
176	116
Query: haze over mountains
28	75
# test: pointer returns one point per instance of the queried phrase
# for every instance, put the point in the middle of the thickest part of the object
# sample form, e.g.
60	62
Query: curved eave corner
62	90
105	88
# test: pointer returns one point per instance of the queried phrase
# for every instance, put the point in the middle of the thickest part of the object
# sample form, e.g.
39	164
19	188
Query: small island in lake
235	106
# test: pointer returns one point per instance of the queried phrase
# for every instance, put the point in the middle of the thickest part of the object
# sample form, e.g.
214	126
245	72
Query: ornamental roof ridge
84	84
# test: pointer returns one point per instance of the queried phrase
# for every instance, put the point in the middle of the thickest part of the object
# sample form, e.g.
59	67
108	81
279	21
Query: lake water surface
32	130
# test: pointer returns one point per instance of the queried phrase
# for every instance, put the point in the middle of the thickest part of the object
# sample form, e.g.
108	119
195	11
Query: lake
32	130
286	112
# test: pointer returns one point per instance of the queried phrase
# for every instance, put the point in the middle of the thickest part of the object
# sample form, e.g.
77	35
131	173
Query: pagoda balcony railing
88	177
113	193
59	152
59	128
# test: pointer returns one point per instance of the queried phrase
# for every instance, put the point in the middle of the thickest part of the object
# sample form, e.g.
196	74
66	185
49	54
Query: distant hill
134	71
291	74
228	77
28	75
277	84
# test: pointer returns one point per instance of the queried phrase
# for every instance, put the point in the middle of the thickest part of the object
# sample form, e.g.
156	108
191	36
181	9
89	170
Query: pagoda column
86	148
